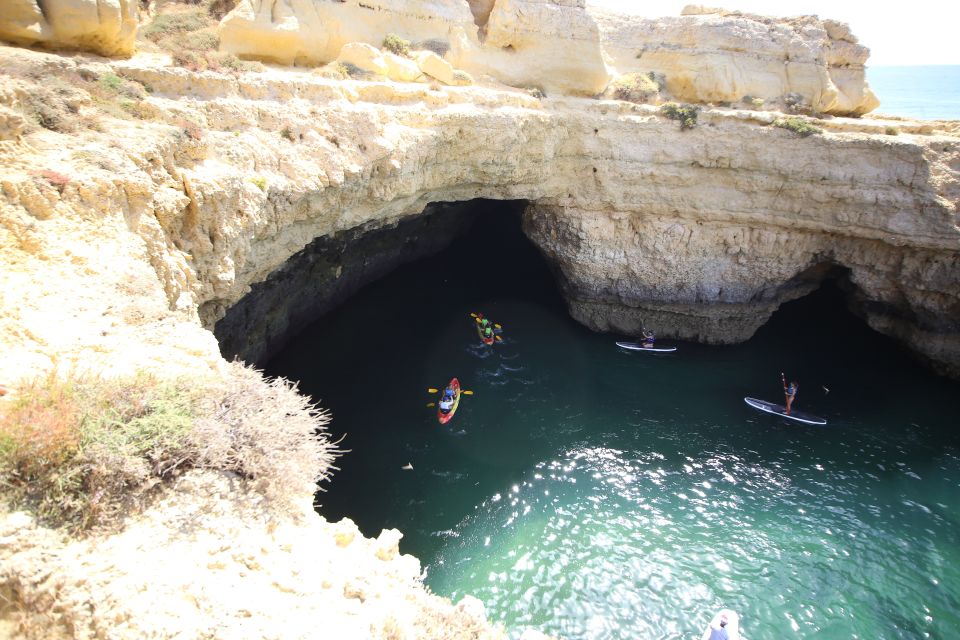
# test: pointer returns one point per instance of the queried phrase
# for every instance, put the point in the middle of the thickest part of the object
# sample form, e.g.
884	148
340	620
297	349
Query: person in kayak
789	391
446	402
648	339
488	331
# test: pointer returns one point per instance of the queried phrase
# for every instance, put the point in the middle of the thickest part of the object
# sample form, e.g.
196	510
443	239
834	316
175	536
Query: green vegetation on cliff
83	451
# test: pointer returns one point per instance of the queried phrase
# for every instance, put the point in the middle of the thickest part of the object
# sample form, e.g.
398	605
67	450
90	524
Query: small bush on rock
395	44
798	125
685	114
640	88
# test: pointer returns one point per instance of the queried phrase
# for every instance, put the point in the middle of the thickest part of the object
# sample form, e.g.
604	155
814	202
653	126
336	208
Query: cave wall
328	271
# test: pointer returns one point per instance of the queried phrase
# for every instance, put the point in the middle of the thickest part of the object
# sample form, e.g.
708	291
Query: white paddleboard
780	410
636	346
733	624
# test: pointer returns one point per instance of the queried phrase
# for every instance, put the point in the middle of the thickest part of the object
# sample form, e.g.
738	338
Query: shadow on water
598	493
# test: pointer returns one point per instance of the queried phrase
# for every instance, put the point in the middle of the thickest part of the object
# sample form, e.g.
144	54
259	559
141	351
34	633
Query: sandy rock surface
210	560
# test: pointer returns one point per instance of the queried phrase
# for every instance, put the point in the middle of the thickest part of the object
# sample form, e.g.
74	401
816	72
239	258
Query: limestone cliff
711	55
132	222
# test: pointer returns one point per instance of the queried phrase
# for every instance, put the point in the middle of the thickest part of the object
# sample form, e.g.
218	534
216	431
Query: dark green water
595	493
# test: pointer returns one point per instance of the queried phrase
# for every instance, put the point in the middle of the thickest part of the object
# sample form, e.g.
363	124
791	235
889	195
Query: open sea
924	92
595	493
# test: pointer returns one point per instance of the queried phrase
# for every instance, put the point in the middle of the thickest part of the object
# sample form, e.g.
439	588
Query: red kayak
444	418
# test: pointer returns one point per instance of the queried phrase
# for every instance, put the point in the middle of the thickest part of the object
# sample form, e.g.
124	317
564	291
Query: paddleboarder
719	632
789	391
648	339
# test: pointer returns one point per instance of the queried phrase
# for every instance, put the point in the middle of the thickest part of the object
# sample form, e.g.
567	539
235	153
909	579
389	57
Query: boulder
400	68
107	27
365	57
435	66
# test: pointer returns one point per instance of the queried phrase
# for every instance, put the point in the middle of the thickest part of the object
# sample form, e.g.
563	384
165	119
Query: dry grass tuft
81	451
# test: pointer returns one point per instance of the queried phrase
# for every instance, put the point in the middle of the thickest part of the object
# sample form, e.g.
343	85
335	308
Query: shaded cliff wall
325	273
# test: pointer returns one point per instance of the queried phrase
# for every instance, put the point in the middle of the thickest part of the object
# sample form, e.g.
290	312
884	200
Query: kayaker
648	339
488	331
446	402
789	391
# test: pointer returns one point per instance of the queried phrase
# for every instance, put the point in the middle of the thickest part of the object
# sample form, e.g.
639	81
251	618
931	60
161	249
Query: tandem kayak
444	418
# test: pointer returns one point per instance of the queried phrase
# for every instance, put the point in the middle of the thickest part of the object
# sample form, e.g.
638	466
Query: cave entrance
476	246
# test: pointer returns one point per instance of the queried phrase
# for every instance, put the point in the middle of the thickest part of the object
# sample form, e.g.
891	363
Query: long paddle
463	391
479	316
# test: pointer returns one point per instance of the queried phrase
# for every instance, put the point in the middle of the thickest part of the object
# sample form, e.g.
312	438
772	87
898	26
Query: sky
917	32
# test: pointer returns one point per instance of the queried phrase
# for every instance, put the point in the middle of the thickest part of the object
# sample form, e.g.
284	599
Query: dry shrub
356	72
61	100
81	451
641	88
165	25
333	71
213	61
265	431
219	8
439	47
54	103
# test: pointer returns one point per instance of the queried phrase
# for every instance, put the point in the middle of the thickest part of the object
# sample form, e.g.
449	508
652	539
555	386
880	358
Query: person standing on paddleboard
648	339
789	391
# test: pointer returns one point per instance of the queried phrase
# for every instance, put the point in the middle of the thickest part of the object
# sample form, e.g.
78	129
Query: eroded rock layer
709	227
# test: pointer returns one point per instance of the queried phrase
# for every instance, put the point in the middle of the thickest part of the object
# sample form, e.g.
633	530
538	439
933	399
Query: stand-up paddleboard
636	346
732	626
780	410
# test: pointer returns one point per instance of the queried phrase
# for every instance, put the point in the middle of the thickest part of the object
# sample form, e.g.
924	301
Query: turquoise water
925	92
595	493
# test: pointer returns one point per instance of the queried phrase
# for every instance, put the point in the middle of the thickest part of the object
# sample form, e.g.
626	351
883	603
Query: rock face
706	55
107	27
711	55
700	233
554	45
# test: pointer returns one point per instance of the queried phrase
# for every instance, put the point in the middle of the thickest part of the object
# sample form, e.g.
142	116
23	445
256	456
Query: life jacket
791	390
